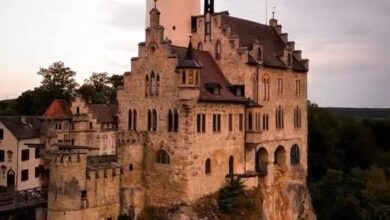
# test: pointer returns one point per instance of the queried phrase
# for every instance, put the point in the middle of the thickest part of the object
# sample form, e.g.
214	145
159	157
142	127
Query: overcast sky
346	41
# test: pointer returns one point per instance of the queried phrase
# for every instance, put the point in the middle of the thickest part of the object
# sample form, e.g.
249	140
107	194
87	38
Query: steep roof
249	32
22	127
210	74
104	113
58	109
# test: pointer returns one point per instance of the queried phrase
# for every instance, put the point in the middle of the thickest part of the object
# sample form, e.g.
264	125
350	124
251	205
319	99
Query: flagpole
266	11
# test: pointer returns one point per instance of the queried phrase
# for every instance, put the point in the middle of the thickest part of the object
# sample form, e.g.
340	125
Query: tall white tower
175	17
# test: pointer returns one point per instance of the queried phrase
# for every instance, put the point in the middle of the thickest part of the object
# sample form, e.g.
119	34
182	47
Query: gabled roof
22	127
104	113
250	32
58	109
210	74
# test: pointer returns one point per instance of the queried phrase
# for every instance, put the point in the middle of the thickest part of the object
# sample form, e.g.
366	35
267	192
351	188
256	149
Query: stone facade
189	118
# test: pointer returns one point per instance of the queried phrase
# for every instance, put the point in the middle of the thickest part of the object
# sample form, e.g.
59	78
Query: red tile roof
210	74
104	113
58	109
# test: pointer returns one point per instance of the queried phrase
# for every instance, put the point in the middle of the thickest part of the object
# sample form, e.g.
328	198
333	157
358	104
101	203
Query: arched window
183	78
208	166
130	120
279	118
162	157
134	120
255	90
147	86
176	121
170	121
200	46
149	120
266	84
153	84
294	155
218	50
131	167
280	156
158	85
154	119
262	161
250	121
78	110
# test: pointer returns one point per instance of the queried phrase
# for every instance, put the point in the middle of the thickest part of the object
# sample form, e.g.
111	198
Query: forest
349	164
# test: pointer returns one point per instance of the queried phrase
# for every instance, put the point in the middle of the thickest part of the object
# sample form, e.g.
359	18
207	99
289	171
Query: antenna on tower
266	11
155	4
273	12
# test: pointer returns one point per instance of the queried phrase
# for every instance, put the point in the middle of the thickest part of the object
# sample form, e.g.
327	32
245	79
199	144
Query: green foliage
349	166
228	196
100	88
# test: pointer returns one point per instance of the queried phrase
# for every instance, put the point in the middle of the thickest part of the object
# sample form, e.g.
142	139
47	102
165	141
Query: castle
228	101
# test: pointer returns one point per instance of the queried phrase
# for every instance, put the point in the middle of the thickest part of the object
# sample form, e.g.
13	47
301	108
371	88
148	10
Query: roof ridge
246	20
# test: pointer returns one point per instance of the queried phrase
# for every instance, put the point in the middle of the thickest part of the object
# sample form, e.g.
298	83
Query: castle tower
175	17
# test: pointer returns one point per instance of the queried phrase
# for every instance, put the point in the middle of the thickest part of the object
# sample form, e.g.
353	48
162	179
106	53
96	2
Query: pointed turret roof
189	61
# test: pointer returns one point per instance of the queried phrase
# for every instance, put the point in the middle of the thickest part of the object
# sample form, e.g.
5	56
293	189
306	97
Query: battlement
66	157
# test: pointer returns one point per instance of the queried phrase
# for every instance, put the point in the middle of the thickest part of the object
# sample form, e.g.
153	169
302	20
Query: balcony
253	138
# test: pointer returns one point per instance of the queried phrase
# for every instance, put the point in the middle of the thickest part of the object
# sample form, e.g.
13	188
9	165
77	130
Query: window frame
25	155
24	175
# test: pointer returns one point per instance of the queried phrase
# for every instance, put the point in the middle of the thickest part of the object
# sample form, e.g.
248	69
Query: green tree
99	88
58	81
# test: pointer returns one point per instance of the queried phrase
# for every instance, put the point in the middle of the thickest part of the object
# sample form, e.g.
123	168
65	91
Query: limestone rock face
287	199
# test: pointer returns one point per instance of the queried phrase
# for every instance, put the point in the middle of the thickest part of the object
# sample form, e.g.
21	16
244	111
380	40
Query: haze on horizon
346	41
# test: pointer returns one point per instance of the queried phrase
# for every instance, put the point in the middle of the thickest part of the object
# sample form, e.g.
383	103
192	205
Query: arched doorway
231	166
262	161
295	155
11	180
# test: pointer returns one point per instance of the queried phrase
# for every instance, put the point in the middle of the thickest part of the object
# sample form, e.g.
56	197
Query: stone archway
280	156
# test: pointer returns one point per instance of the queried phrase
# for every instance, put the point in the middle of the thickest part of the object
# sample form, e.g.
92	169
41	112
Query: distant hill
373	113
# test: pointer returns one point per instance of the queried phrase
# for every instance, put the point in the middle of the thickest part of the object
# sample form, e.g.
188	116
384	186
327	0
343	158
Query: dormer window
216	91
213	88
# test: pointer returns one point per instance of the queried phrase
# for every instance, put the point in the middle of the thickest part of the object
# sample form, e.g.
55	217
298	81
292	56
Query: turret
189	70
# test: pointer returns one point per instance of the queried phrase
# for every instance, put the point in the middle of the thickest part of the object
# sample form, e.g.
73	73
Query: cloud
127	14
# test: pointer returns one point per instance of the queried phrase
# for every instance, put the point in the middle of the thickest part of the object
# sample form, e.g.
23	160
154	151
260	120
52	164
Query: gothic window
208	166
154	120
149	120
254	89
170	120
147	86
218	50
130	120
230	122
158	85
280	85
250	121
298	87
265	122
294	155
162	157
279	118
201	123
176	121
200	46
217	123
297	117
153	84
134	120
240	122
266	84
